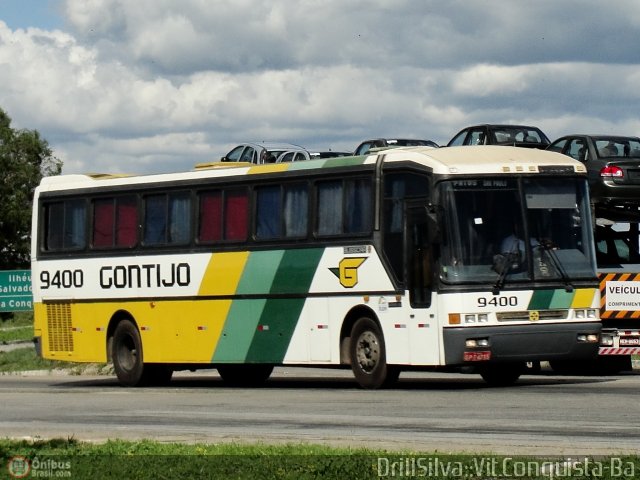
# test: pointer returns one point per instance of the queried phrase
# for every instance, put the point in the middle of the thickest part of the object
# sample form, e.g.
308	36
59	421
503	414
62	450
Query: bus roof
465	160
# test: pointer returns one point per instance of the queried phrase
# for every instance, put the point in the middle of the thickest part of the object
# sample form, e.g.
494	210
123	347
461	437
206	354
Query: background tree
25	158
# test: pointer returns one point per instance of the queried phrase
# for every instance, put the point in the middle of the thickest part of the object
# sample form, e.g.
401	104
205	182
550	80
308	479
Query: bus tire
502	374
127	354
245	375
368	356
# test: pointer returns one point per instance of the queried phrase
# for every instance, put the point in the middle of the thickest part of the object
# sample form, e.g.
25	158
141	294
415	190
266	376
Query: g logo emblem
347	271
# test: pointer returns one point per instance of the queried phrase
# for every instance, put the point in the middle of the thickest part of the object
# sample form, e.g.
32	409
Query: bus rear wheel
368	356
128	361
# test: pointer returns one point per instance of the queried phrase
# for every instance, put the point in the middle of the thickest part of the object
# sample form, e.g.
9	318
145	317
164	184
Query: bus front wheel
368	356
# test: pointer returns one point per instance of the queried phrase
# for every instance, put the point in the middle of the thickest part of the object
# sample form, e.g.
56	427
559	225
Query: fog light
582	338
607	341
476	342
592	313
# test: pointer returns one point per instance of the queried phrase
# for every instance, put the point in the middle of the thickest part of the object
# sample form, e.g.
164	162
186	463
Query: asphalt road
542	414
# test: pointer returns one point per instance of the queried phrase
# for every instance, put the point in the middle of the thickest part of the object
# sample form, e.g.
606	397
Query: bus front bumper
521	343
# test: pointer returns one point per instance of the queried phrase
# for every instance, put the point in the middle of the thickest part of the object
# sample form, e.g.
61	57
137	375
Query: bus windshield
487	222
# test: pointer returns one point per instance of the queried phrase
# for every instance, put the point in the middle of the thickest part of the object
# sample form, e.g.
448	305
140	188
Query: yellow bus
385	262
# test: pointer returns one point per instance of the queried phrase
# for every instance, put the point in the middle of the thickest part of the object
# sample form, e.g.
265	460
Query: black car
613	165
489	134
367	145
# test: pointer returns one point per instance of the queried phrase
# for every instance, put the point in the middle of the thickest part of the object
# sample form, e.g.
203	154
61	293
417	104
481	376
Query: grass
24	359
19	327
117	459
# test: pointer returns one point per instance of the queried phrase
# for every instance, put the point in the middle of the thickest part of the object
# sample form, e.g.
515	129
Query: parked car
367	145
259	153
298	155
488	134
613	165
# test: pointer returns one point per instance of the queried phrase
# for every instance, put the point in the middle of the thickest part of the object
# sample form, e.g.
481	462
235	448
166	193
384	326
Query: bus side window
358	206
296	210
155	219
330	209
167	219
66	225
268	212
223	215
115	222
236	214
344	207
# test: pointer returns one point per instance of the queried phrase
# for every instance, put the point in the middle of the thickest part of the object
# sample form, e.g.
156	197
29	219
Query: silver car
259	153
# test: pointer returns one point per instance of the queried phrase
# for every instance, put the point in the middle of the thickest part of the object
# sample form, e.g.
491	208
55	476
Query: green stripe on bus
543	299
540	300
306	165
237	334
296	271
344	161
562	299
273	335
261	330
259	272
281	315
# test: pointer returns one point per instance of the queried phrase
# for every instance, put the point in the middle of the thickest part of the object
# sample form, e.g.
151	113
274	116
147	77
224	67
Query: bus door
420	254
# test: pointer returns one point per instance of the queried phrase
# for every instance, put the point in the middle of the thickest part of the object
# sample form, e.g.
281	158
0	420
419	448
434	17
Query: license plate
476	356
627	341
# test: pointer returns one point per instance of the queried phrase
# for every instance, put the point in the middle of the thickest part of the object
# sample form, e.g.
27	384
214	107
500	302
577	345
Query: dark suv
613	165
488	134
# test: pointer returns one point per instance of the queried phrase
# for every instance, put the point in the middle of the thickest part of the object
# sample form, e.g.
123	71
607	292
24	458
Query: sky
150	86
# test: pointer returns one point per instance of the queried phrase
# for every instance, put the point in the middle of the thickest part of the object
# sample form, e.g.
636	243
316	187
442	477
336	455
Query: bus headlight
476	318
590	313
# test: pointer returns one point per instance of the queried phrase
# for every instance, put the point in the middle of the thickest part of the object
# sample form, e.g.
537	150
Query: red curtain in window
103	220
210	229
236	214
127	227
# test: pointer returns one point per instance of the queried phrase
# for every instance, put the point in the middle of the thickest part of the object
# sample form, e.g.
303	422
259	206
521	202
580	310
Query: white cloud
157	85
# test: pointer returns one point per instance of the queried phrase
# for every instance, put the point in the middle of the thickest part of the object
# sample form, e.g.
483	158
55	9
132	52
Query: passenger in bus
512	250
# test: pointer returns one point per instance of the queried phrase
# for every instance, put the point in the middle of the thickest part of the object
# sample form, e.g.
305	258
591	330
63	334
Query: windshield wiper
503	263
547	246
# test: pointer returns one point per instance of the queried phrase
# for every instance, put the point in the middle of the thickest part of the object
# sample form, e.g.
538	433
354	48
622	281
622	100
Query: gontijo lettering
145	276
